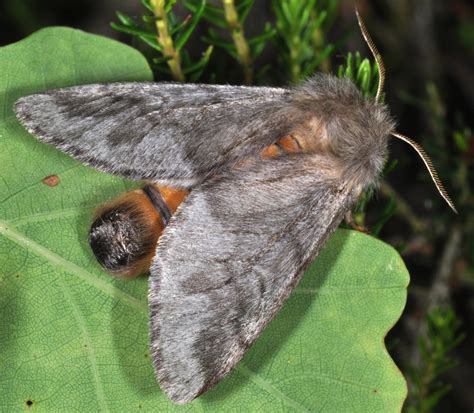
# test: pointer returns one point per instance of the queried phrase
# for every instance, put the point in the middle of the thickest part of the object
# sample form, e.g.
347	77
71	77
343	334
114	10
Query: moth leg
349	218
125	231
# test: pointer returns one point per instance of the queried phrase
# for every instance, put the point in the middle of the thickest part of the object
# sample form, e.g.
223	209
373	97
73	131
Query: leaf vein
107	288
268	387
90	348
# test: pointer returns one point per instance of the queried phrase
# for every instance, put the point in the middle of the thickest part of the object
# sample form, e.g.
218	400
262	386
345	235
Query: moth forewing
148	130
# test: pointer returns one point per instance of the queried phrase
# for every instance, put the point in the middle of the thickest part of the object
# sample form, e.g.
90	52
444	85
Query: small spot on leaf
29	403
50	180
374	390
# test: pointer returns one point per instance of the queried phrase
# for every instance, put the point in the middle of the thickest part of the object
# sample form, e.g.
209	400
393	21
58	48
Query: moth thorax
124	234
346	125
360	140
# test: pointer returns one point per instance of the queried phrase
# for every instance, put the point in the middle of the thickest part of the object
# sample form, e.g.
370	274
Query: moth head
413	144
124	233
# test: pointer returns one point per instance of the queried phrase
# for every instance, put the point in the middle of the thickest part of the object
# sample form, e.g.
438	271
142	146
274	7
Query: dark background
428	48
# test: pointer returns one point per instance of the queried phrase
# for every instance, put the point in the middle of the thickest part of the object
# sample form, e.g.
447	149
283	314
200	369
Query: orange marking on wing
287	144
290	144
271	151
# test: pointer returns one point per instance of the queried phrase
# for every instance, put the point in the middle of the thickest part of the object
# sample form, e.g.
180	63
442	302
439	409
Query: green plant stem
238	36
295	66
403	209
165	40
427	377
319	42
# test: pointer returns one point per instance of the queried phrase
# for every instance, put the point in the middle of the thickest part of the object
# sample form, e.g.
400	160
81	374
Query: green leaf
201	63
126	20
461	140
152	42
267	34
132	30
75	339
243	10
183	38
215	15
147	4
323	54
169	5
181	25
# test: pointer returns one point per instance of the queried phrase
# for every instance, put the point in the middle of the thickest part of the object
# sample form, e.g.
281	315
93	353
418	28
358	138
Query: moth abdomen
125	231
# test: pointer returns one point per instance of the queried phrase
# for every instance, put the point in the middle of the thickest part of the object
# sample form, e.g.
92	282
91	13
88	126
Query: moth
245	185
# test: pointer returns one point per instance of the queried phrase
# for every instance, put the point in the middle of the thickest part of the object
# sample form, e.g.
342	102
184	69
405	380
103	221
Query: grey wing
175	134
227	261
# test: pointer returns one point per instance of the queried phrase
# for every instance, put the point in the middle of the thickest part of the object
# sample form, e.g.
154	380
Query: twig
439	291
238	36
166	41
438	294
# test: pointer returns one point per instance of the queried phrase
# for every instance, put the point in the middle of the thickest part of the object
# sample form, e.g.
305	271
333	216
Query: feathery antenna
431	169
413	144
375	53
